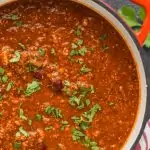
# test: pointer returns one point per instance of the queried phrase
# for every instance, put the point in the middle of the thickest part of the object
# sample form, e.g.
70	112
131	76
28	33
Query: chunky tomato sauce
67	79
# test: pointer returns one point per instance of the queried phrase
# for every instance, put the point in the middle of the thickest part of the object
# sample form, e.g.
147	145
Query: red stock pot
134	42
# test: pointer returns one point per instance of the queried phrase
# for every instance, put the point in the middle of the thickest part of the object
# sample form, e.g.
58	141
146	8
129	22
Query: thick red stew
67	79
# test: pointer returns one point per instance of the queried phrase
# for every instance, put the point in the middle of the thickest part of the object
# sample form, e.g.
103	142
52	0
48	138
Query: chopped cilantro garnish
74	52
38	117
76	119
21	114
88	102
18	134
17	145
111	103
74	46
1	97
11	17
81	106
2	71
23	131
78	98
22	46
66	83
103	37
105	47
31	68
48	128
83	51
77	134
79	61
80	42
41	51
78	31
73	100
18	23
90	144
4	79
66	90
81	122
16	58
86	90
9	86
32	88
1	114
29	122
56	112
85	69
53	51
89	115
64	125
86	118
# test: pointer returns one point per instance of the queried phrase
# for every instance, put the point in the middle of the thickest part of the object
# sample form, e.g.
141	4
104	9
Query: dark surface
145	54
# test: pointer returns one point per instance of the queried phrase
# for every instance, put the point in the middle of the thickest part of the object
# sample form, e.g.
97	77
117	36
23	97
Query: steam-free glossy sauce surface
67	79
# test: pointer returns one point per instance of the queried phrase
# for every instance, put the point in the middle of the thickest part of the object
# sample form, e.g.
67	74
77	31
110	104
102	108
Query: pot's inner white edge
139	65
134	50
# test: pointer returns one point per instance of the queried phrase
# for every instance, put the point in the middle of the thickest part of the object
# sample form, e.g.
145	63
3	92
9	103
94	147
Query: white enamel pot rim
103	10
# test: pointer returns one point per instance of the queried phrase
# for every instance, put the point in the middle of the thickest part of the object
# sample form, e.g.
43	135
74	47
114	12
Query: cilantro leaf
16	58
18	23
31	68
48	128
74	46
17	145
89	115
78	31
29	122
53	51
147	41
103	37
9	86
23	131
56	112
129	15
66	83
2	71
141	13
21	114
38	117
22	46
83	51
32	88
64	125
1	114
74	52
73	100
1	97
91	144
88	102
11	17
77	134
41	51
4	79
80	42
85	69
